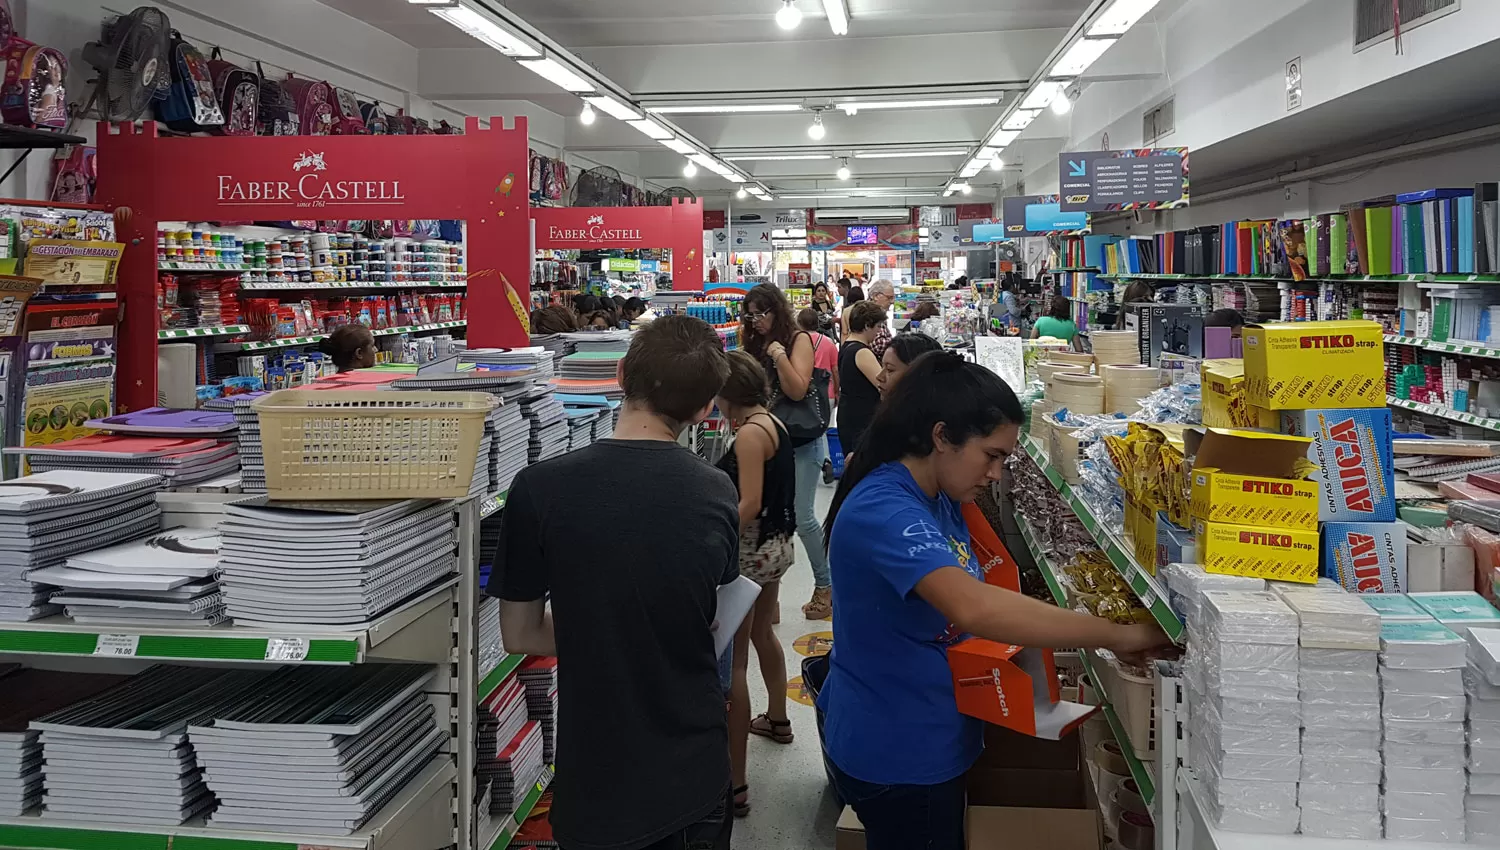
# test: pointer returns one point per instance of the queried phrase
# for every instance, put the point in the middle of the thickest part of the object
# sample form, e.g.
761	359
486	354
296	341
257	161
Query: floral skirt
768	561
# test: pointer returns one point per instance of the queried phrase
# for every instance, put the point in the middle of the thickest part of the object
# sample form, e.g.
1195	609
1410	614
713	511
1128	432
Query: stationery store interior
771	424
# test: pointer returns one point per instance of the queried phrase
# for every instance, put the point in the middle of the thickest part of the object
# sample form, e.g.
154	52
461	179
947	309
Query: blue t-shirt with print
891	715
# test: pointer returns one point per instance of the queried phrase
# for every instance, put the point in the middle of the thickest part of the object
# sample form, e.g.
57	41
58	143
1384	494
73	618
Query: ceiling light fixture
997	164
487	30
1079	56
905	154
1119	17
558	74
613	108
788	16
965	188
724	108
1020	119
1002	138
1062	105
1042	94
971	169
854	106
843	173
587	115
778	157
816	131
838	16
651	128
742	194
679	146
690	170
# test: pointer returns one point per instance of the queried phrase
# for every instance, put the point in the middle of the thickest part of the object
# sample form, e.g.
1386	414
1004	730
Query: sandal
779	731
820	607
742	806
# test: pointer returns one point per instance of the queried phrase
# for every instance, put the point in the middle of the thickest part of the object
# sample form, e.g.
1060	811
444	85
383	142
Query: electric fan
598	187
133	62
672	192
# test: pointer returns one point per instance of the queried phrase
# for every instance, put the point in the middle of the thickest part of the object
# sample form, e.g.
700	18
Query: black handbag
807	418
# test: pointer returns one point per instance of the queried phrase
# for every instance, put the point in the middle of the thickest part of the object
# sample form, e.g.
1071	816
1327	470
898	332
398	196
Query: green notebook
1378	234
1338	243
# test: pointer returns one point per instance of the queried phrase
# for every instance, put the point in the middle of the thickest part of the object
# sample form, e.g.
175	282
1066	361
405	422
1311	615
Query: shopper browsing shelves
1056	324
907	587
883	293
350	347
899	357
859	370
643	742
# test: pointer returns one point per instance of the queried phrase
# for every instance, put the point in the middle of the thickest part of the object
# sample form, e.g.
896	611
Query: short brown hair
556	319
675	367
748	384
865	315
807	319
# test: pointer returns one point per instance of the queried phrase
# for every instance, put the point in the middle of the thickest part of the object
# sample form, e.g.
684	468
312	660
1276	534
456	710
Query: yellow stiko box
1304	365
1224	394
1251	478
1283	554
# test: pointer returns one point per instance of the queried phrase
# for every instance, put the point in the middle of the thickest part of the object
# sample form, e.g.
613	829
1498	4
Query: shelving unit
223	330
1443	412
1346	278
299	287
1472	349
288	342
512	824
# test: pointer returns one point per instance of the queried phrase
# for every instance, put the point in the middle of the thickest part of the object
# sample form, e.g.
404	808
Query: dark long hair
970	401
767	298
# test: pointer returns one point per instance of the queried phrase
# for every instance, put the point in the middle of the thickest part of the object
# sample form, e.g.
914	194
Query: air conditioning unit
868	215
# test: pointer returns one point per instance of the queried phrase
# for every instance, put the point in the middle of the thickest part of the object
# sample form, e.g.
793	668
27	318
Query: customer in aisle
642	736
600	320
761	464
1136	291
926	308
883	293
825	350
854	296
633	310
824	308
1225	318
349	347
904	351
556	319
769	332
859	374
907	587
1057	324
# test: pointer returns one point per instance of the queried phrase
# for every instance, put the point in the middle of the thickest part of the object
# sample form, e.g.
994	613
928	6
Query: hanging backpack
74	175
422	128
446	129
376	121
347	119
402	125
33	94
277	114
238	92
191	105
314	102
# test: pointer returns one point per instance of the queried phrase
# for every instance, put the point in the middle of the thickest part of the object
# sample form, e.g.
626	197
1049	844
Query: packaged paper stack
179	460
1338	646
518	766
490	647
500	720
319	750
604	426
1395	607
26	695
168	578
600	341
549	424
539	675
47	517
1245	744
1186	584
332	563
509	448
479	485
125	756
1482	684
1423	707
1460	611
590	373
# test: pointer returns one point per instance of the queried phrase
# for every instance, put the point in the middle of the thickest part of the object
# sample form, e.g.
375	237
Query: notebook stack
548	422
179	460
509	449
1482	685
604	426
600	341
26	695
252	459
539	675
590	373
518	766
500	720
1339	641
536	359
168	422
479	485
580	428
47	517
490	647
1245	743
332	563
125	757
168	578
558	344
318	750
1423	706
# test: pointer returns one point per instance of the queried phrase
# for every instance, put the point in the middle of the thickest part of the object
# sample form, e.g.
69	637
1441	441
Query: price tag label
1148	598
117	646
286	649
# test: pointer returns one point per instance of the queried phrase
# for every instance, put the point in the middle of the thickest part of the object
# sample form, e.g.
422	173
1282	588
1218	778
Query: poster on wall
1138	178
59	399
750	236
1033	215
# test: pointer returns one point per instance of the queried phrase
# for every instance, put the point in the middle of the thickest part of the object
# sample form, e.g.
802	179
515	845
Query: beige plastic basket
333	444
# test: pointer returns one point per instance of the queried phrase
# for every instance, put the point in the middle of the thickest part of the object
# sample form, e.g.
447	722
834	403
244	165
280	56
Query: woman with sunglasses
769	332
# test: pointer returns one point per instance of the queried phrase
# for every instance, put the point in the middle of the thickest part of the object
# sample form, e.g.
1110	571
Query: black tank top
778	512
858	398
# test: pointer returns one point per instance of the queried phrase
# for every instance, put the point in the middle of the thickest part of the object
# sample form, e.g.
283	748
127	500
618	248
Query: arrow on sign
1077	168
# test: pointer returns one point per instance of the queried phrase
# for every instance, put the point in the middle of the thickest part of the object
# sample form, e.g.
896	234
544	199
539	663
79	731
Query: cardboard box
1284	554
1140	532
850	833
1174	544
1439	566
1014	687
1250	478
1366	557
1224	394
1306	365
1352	450
1054	827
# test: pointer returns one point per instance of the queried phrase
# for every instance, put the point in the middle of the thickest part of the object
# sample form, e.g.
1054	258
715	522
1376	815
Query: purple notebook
167	420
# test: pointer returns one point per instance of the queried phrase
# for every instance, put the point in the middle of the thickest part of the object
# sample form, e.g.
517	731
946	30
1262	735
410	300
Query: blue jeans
906	817
809	473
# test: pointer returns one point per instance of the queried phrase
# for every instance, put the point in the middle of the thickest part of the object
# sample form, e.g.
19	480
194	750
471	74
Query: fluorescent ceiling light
1020	119
838	16
679	146
703	160
813	197
488	31
1002	138
720	108
558	74
972	169
614	108
1078	57
853	106
429	2
1042	94
778	157
988	153
1119	17
904	154
651	128
733	177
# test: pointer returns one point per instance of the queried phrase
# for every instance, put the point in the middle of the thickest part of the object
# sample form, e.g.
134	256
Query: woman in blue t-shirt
906	587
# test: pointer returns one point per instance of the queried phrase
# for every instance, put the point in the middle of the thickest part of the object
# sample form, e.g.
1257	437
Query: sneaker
827	471
820	607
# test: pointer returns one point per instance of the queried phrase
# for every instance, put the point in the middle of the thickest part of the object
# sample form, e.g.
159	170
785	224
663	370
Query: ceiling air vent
1158	121
1375	20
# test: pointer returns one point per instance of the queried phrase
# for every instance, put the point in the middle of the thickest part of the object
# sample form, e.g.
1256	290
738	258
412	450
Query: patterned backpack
376	121
277	115
421	127
191	105
348	121
33	95
314	102
238	91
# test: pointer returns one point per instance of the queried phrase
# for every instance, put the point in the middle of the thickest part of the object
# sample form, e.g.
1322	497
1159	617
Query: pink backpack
347	120
33	95
314	102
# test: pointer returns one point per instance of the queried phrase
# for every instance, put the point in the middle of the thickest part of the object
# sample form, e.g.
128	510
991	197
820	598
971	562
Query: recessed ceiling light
904	154
558	74
724	108
788	16
1078	57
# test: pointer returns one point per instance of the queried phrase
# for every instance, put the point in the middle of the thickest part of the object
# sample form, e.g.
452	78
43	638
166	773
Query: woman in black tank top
859	374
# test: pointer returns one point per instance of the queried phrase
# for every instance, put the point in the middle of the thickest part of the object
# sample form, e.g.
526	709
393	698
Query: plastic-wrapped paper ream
1484	733
1484	653
1482	812
1397	680
1335	740
1482	709
1444	734
1316	715
1477	685
1484	759
1459	610
1395	606
1430	707
1249	806
1249	657
1337	660
1487	784
1362	686
1261	767
1421	829
1333	620
1255	713
1423	804
1216	737
1341	823
1421	646
1324	584
1335	798
1445	780
1258	617
1208	677
1430	756
1349	770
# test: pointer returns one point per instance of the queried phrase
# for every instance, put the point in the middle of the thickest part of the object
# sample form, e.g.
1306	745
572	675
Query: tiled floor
791	807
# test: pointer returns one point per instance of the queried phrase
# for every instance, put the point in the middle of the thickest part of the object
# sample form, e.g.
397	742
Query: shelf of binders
417	631
1138	770
411	821
1443	412
496	677
1142	583
512	822
289	342
1073	269
1473	349
222	330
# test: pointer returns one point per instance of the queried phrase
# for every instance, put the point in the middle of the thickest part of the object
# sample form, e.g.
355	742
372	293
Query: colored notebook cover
166	420
1378	240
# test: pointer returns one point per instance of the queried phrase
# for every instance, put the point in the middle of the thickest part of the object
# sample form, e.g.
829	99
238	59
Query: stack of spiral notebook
167	578
549	424
319	750
47	517
500	720
124	755
585	341
536	357
539	675
26	695
516	769
180	460
592	372
337	564
510	449
252	459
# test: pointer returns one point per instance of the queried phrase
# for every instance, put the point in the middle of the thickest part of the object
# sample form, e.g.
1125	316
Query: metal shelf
1472	349
15	137
299	287
1347	278
289	342
183	333
512	823
1443	412
171	266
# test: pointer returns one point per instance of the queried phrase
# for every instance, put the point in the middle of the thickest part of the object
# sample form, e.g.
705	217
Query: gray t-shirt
632	539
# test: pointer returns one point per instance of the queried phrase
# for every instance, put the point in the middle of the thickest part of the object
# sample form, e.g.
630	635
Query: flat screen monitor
864	234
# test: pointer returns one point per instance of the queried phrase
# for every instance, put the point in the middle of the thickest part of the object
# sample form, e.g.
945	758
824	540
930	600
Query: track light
690	170
966	188
741	194
843	173
997	164
788	16
817	131
1062	105
587	115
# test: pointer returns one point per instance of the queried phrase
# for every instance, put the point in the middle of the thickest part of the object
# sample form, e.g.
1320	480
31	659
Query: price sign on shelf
286	649
1148	598
117	646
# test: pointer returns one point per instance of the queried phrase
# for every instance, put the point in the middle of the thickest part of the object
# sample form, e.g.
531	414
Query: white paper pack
1335	740
1333	620
1424	755
1416	829
1484	760
1428	805
1396	680
1341	716
1351	661
1459	610
1335	798
1487	784
1419	780
1343	823
1345	770
1395	606
1444	734
1259	618
1421	646
1428	707
1484	653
